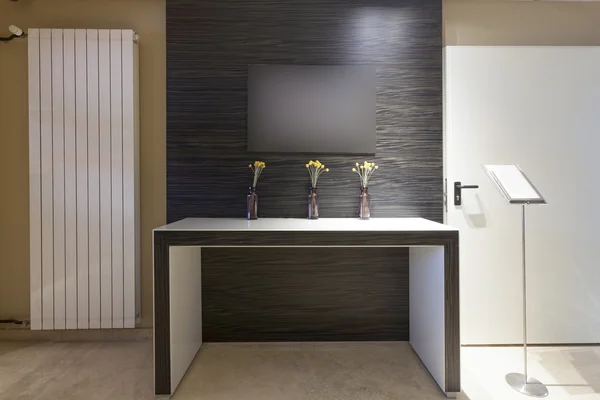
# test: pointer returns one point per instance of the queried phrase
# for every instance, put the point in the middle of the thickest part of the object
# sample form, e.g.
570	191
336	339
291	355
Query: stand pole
523	383
524	263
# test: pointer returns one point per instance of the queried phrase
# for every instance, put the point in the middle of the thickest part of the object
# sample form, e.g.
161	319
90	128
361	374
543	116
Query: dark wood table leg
162	367
452	314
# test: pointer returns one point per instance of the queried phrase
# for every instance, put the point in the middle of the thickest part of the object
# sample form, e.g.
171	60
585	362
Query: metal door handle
458	187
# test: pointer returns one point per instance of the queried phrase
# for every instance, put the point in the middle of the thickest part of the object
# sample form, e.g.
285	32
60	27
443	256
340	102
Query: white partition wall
84	187
426	302
537	107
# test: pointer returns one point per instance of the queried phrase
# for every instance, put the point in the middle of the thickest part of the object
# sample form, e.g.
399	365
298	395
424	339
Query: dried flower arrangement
365	172
315	169
257	169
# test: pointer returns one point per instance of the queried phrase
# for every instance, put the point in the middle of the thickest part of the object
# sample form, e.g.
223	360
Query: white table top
298	224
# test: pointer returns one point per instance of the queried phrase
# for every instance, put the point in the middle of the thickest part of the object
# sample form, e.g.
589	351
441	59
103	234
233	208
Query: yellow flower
249	165
353	169
357	164
322	166
306	165
362	166
377	166
327	170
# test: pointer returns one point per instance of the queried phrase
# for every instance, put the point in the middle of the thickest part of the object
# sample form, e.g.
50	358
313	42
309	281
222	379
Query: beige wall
521	23
467	22
147	18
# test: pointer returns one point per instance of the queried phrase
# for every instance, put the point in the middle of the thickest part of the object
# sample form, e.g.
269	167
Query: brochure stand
518	189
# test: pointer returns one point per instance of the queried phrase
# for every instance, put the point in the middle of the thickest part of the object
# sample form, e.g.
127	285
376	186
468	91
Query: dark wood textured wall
210	44
305	294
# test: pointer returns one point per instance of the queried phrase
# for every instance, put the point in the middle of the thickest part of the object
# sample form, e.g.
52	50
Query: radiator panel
84	202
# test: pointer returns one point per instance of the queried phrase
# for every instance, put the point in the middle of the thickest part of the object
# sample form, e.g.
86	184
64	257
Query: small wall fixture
16	32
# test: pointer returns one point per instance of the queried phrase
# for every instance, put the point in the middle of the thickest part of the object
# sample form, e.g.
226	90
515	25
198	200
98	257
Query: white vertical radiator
83	171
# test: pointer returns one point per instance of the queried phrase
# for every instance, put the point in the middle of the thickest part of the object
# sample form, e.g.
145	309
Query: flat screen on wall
311	109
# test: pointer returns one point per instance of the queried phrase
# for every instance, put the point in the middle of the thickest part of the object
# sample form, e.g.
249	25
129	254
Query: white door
538	107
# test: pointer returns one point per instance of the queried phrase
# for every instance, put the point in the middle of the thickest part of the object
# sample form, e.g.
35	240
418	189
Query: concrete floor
324	371
76	370
311	371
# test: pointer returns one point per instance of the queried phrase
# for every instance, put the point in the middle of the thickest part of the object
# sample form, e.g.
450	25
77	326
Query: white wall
538	107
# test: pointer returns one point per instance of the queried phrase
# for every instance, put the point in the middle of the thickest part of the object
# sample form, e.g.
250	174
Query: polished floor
570	373
324	371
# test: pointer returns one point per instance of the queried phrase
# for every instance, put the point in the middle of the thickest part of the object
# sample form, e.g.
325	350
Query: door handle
458	187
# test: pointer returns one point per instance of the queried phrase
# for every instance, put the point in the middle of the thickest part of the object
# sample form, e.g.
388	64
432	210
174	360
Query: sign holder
518	189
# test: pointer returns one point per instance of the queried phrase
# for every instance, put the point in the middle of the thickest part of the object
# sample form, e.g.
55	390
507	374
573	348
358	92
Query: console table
433	282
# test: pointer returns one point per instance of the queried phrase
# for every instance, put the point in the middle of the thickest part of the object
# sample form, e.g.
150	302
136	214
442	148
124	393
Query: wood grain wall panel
304	294
209	47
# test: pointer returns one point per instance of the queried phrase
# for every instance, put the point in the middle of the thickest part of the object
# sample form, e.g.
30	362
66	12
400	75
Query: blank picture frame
514	185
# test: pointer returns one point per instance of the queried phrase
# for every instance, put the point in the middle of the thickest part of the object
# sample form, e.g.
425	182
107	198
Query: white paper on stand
513	184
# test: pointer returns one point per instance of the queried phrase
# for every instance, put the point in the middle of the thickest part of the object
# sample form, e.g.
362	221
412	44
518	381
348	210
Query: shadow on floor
585	361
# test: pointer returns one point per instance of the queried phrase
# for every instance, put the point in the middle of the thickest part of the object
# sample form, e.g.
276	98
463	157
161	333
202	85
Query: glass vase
313	204
252	204
365	204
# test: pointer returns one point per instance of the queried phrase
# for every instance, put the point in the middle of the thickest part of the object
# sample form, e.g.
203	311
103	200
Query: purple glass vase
313	204
252	204
365	204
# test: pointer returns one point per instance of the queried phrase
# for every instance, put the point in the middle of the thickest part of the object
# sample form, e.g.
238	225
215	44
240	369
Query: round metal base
533	387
